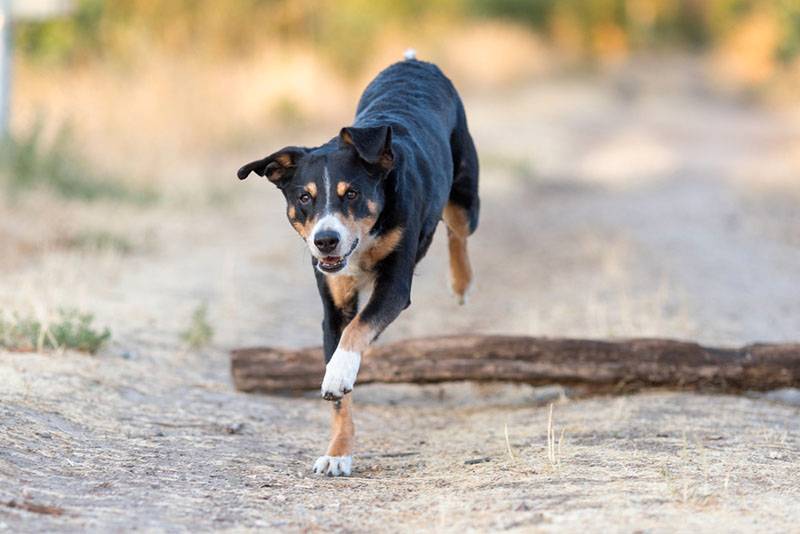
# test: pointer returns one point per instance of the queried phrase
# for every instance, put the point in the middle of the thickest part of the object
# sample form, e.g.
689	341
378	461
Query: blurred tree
345	30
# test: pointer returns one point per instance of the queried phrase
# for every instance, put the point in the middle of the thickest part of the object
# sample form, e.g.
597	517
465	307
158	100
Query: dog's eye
304	198
351	194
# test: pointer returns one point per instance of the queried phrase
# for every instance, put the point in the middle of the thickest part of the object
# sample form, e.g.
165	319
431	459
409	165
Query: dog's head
334	193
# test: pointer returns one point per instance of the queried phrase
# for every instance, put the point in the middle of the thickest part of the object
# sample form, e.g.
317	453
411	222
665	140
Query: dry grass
553	448
508	442
173	112
689	479
28	163
98	241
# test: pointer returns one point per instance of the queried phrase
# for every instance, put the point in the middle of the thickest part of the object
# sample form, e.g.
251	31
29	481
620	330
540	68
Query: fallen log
595	365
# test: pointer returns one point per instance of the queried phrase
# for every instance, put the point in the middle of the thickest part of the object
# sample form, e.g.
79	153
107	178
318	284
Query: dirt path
633	206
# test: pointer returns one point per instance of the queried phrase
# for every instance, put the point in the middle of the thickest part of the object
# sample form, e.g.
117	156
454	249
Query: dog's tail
410	53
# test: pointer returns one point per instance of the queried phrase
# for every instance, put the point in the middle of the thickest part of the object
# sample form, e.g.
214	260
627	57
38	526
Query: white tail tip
410	54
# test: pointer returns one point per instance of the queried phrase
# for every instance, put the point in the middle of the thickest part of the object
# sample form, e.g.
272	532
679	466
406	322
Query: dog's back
429	127
412	94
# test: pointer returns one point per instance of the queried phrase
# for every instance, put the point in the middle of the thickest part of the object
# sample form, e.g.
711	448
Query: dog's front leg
391	295
338	459
340	303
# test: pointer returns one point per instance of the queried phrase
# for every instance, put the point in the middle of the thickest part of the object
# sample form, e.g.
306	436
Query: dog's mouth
333	264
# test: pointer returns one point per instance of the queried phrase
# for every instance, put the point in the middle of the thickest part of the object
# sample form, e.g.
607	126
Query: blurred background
648	150
130	83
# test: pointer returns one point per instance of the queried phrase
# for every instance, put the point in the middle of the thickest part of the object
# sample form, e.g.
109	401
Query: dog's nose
326	241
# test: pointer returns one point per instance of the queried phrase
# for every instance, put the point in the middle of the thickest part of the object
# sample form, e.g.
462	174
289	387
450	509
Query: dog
367	204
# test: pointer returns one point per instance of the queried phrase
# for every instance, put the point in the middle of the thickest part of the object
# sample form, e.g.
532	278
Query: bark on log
597	365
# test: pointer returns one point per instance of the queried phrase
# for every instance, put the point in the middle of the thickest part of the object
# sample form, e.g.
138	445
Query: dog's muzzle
334	264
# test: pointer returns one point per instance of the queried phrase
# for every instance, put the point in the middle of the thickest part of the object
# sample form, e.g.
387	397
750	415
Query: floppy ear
276	167
373	144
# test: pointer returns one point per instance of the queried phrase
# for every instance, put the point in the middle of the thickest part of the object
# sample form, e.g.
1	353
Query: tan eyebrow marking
311	187
285	160
341	188
292	212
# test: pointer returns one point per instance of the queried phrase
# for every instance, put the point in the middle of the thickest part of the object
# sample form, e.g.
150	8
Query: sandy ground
634	205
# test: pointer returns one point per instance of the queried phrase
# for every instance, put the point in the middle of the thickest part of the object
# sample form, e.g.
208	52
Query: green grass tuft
200	333
70	330
100	241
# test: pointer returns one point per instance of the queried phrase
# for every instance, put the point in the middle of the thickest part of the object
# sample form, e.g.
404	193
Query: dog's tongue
330	260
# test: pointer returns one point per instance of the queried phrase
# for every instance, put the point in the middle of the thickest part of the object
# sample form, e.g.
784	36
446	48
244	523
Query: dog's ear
277	167
373	144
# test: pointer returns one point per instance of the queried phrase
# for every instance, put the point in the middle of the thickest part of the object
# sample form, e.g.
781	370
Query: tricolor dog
367	204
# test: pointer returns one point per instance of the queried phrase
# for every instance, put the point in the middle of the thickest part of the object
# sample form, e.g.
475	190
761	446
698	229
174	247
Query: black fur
409	152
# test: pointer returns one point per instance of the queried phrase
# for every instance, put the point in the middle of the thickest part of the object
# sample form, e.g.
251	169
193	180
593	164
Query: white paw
340	374
333	466
462	297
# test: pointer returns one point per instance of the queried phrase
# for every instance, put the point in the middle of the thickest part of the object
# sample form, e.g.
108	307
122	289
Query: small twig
553	449
35	508
508	442
389	454
381	480
180	425
549	454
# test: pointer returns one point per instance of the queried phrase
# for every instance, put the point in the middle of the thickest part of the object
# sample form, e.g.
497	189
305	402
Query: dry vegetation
178	66
653	207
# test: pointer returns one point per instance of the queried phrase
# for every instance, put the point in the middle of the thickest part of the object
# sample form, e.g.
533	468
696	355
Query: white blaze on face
326	178
329	221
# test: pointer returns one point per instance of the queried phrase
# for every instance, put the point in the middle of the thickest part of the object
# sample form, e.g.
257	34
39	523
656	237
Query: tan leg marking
342	428
457	221
343	289
356	336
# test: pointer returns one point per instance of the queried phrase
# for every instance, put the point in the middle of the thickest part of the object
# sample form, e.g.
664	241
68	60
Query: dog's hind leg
463	207
455	218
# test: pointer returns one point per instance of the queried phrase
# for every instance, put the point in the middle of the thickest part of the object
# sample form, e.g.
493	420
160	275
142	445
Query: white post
5	65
